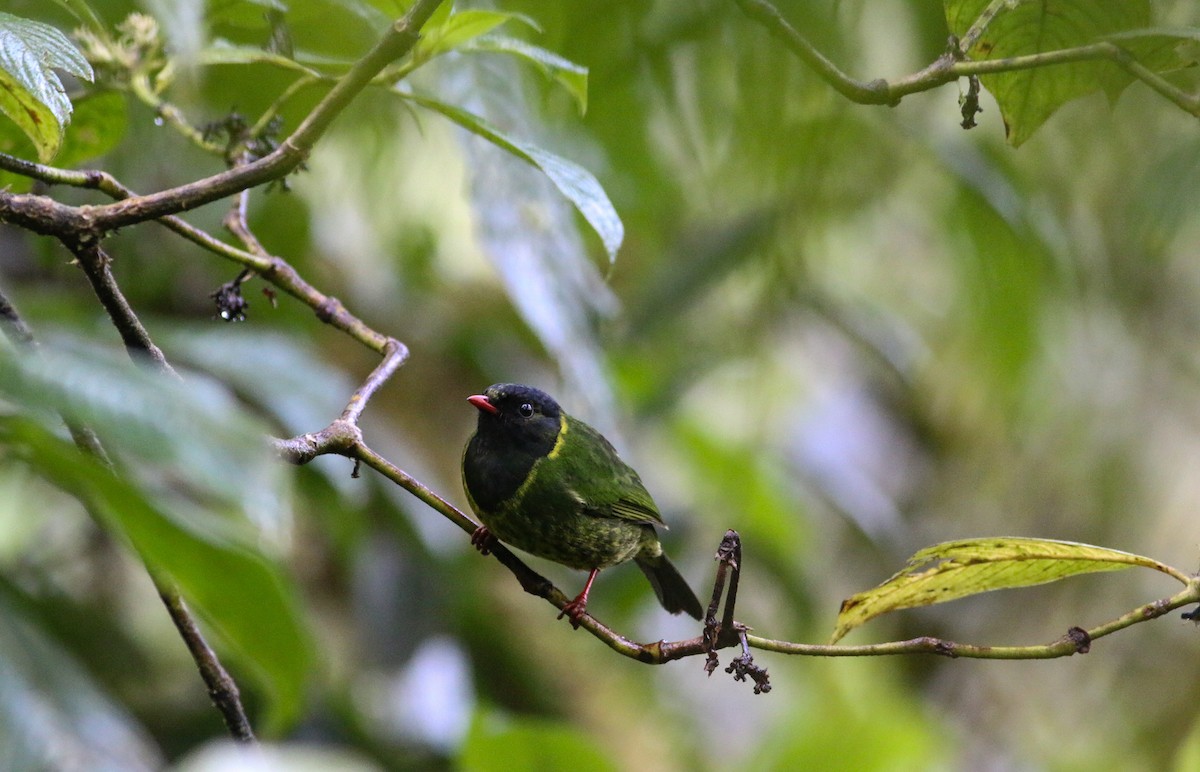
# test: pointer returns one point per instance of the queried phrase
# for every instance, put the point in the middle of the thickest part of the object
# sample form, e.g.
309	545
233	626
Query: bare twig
96	265
274	269
81	229
14	326
728	632
222	689
235	222
395	354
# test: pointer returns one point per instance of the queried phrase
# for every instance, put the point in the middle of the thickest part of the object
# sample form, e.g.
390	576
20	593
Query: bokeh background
847	332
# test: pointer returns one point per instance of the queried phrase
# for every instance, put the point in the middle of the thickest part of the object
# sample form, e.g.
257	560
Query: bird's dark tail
672	589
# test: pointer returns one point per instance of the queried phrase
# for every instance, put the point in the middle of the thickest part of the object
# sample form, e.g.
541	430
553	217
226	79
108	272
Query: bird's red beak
484	405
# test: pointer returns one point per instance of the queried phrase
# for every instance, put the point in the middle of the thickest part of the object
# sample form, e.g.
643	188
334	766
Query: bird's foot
483	540
574	611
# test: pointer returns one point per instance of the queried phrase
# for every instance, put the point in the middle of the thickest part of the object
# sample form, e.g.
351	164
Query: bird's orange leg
576	608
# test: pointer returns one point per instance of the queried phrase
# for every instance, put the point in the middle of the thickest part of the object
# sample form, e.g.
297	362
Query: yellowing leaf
957	569
31	94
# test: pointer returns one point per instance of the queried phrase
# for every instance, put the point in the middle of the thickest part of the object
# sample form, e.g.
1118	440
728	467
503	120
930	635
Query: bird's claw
483	540
574	611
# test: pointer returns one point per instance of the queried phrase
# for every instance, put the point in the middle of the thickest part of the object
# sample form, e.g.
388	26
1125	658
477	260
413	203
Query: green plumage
551	485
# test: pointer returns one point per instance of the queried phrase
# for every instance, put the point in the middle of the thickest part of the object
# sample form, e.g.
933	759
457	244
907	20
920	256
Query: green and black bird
551	485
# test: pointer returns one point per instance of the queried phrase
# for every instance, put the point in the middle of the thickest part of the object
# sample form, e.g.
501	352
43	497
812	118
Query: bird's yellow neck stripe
562	436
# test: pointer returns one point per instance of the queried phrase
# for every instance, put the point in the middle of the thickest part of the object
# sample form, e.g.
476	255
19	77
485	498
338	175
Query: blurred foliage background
847	332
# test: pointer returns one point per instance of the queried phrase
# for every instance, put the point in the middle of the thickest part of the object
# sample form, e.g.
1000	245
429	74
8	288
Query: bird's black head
527	418
518	425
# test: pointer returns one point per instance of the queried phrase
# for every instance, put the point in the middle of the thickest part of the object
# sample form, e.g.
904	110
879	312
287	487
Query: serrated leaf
579	185
235	589
958	569
1028	97
571	76
31	93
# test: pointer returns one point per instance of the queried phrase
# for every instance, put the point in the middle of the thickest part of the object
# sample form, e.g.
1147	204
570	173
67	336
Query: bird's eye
526	409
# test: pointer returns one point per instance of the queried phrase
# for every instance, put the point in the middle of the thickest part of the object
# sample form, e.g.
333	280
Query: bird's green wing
603	484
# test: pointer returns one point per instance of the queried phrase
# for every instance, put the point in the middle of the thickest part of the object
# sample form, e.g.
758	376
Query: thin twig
703	645
274	269
96	265
222	689
395	355
140	86
301	83
946	68
1063	647
980	25
235	222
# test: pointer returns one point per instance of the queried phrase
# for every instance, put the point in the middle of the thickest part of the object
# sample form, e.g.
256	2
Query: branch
949	67
222	689
48	217
95	263
395	43
729	632
343	438
274	269
1076	641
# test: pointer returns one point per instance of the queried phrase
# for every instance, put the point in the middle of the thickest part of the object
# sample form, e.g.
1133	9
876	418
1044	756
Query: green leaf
958	569
1028	97
97	126
1162	49
84	14
196	486
31	93
236	590
497	743
188	440
571	76
457	30
576	183
223	52
52	714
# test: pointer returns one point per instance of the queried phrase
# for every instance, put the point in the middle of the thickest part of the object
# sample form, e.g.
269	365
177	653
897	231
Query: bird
547	483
